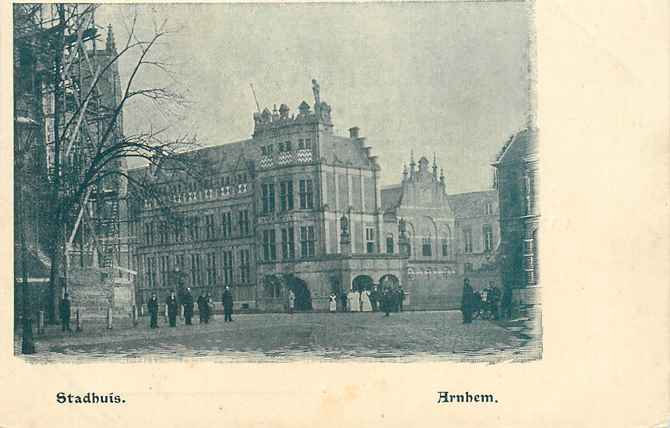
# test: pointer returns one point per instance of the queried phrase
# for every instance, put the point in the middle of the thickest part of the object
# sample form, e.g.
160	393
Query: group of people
386	300
204	302
489	302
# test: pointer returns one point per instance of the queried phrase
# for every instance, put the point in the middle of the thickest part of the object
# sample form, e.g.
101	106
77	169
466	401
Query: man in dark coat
396	299
188	306
152	305
210	307
467	301
65	312
343	298
172	309
506	304
203	307
374	299
227	305
387	301
494	299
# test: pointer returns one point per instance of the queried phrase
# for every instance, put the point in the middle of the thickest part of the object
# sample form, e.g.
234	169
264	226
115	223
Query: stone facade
517	179
448	237
268	217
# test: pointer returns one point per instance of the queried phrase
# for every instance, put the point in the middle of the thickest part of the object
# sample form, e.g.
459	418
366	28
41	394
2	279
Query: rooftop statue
317	93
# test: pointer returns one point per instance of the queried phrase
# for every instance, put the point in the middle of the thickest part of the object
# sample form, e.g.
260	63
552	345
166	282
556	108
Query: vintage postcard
193	165
248	190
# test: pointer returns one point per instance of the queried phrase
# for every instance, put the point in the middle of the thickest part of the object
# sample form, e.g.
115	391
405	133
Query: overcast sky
450	78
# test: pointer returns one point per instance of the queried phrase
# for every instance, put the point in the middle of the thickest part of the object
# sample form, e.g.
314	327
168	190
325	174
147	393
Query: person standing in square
202	307
227	305
332	302
171	304
467	301
291	301
152	305
65	305
188	306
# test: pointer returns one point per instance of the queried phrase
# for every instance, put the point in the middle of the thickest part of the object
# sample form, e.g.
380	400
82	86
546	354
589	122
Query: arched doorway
389	281
361	283
303	298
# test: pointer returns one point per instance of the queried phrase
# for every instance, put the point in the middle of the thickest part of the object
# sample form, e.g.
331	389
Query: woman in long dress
333	302
354	301
366	306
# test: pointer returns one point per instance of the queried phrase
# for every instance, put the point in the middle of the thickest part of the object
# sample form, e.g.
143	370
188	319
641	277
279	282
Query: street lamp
24	132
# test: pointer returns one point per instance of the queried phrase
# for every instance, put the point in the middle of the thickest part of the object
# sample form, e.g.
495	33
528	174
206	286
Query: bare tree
89	147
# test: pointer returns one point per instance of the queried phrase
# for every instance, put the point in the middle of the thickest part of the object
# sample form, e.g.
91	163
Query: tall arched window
426	246
389	243
446	238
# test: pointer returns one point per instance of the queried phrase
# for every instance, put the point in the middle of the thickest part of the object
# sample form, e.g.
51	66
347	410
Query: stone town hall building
271	218
450	237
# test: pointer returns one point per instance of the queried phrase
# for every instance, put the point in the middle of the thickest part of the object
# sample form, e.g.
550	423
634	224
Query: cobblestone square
406	336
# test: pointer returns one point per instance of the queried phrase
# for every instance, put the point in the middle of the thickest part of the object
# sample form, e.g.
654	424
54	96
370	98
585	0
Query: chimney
353	132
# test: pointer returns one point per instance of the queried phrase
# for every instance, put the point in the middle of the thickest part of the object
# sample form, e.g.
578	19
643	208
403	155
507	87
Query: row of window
487	238
427	242
269	243
209	183
286	146
529	192
531	264
193	229
158	268
286	198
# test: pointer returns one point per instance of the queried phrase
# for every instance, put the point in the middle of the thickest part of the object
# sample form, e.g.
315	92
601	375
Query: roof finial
435	164
109	43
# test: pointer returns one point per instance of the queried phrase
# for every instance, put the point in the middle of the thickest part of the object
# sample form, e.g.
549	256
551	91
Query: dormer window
301	144
287	146
308	143
264	150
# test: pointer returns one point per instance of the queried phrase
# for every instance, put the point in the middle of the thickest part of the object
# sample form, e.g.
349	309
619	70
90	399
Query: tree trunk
53	278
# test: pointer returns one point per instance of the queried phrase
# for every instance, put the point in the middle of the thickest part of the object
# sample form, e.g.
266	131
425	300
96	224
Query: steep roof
343	151
391	197
223	157
519	145
472	204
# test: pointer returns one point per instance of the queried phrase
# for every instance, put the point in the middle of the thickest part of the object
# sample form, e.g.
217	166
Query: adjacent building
448	237
517	183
